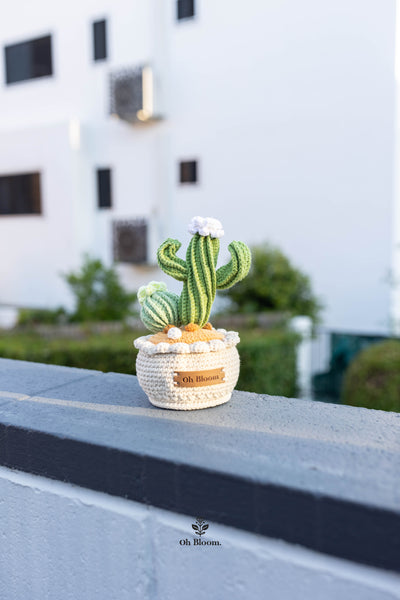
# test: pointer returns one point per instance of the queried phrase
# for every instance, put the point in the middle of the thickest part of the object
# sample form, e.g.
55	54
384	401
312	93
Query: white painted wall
297	103
288	106
395	272
61	541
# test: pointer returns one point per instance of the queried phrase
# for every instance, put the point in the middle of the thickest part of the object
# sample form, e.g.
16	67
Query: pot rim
231	338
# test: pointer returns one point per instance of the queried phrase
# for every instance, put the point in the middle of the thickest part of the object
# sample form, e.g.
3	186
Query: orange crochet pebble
188	337
167	328
192	327
208	326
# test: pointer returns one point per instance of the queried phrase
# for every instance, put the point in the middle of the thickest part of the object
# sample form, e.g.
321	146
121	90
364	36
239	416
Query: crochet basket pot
188	376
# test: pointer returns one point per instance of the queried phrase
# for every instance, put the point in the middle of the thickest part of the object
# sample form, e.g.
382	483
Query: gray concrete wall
62	542
99	492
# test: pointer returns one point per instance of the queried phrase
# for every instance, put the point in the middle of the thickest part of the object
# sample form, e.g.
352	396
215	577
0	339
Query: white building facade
281	111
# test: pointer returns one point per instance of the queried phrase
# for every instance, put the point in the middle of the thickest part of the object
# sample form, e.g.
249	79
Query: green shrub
268	359
274	284
98	293
268	363
37	316
373	378
103	352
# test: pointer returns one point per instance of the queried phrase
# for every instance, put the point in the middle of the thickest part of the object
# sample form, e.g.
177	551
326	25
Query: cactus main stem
200	286
198	273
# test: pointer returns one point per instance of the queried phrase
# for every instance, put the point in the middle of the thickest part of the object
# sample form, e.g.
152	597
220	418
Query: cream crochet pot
188	376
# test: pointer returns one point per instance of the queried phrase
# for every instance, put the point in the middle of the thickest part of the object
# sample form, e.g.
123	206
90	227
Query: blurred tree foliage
98	293
274	284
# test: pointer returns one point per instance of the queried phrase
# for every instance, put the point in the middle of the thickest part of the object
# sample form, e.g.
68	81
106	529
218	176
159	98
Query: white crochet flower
174	333
206	226
148	290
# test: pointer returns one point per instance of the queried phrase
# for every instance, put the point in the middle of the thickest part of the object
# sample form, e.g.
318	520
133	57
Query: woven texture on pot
157	373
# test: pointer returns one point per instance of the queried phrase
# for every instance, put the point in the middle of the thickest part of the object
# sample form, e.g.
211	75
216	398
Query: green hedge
102	352
268	359
373	378
268	363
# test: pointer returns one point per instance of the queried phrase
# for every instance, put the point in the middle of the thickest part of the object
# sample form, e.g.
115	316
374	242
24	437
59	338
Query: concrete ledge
323	476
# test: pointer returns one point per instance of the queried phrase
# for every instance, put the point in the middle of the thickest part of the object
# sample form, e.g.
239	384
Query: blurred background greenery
98	334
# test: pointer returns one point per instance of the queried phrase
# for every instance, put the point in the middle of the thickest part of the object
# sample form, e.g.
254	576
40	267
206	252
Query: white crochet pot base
157	376
190	406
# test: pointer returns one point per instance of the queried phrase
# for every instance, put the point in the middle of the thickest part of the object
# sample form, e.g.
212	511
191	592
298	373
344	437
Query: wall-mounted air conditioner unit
130	241
132	94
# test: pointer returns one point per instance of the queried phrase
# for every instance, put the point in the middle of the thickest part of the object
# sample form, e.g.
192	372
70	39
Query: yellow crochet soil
188	337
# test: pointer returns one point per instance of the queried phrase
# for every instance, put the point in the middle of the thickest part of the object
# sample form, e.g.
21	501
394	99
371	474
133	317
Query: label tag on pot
199	378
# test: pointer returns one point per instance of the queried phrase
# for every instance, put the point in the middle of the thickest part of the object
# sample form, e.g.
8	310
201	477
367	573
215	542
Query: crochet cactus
159	307
198	273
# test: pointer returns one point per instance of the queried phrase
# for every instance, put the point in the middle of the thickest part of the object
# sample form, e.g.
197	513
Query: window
188	171
126	93
185	9
130	241
28	60
104	188
100	40
20	194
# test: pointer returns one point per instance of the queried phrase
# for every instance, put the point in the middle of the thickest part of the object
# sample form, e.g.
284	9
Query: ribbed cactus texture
200	277
199	288
159	307
160	310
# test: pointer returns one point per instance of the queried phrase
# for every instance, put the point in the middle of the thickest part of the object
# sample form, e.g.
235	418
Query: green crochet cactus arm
169	262
237	268
198	273
199	288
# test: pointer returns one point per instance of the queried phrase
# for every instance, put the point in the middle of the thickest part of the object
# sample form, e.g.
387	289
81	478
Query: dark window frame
29	60
21	194
100	40
185	10
189	172
104	192
130	241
